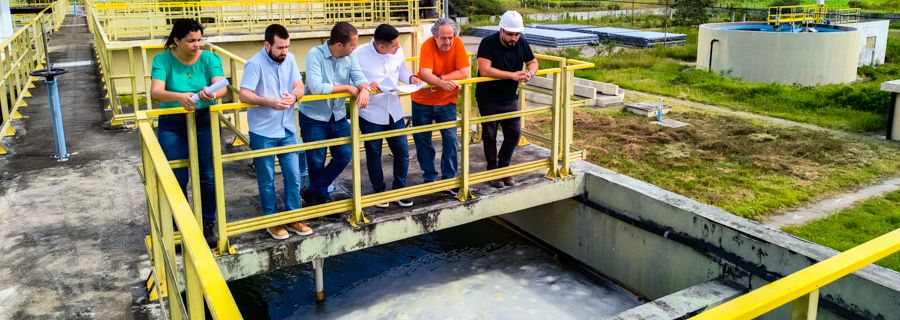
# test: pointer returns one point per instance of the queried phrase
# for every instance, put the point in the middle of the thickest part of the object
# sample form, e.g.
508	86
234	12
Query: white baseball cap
511	21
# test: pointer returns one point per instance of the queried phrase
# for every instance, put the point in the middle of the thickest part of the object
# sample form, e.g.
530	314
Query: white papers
410	88
212	88
386	85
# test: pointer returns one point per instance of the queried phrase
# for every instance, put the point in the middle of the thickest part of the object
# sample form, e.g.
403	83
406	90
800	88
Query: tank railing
798	13
557	165
198	276
20	54
151	19
802	287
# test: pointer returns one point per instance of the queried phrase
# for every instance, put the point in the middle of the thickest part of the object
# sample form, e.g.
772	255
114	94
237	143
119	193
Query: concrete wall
793	58
877	29
655	242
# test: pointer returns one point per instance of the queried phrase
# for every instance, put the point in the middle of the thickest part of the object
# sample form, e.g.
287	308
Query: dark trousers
320	175
399	147
511	133
172	135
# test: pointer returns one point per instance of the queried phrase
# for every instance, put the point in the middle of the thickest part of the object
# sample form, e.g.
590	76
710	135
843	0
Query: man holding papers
385	66
272	82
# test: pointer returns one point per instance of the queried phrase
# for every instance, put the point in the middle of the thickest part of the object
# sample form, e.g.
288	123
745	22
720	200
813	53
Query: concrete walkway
827	207
71	232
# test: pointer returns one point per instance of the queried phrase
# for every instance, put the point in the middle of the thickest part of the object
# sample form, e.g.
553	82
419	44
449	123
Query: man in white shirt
384	64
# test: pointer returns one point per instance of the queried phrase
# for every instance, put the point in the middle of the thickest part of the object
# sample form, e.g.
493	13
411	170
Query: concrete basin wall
655	242
791	58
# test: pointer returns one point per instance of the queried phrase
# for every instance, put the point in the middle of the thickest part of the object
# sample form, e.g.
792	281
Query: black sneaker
209	232
404	203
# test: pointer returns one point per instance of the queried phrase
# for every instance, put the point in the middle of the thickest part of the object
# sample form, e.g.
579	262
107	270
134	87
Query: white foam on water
509	282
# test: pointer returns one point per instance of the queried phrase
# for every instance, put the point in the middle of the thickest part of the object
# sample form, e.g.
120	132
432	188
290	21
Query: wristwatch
531	73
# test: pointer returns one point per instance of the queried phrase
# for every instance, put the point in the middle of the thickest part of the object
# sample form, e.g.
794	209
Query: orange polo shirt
440	63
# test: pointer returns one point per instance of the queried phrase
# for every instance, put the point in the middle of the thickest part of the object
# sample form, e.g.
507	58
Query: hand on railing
185	99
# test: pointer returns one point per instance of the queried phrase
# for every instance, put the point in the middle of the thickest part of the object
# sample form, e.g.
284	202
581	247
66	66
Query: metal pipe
318	265
711	52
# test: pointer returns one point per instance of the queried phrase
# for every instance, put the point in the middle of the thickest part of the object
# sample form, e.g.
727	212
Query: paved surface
827	207
71	232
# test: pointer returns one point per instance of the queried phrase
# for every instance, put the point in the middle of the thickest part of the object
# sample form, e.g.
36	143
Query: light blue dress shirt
323	72
269	79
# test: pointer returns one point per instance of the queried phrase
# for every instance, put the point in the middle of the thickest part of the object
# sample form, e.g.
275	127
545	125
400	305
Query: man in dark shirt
501	56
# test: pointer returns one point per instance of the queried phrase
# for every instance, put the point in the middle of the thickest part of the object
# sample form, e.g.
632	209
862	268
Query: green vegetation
857	107
852	227
747	167
868	5
691	12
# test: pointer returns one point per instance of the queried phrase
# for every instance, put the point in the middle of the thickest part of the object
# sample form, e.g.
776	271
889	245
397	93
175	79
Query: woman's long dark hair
180	29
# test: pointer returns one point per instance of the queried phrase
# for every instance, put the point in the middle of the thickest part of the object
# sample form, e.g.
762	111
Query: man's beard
276	59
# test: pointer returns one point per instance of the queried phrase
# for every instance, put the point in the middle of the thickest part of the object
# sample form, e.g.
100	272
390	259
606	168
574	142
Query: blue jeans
292	164
425	115
320	175
172	135
399	148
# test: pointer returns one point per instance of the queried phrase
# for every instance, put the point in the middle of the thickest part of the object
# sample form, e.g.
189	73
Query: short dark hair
274	30
180	29
385	33
342	32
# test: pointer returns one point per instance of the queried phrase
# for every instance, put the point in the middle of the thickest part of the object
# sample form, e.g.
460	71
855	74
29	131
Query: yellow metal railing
125	20
20	54
557	165
802	13
802	287
198	276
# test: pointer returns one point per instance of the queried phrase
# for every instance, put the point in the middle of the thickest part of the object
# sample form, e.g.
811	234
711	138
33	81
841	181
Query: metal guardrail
802	287
117	19
199	276
19	55
152	19
802	13
163	238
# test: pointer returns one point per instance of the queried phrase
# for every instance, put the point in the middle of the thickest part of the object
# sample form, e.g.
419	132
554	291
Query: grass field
852	227
749	168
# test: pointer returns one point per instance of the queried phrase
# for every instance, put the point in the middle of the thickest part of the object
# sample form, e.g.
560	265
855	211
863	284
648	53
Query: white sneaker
383	205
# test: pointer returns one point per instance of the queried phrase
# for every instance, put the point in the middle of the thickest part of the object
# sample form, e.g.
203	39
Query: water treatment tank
757	52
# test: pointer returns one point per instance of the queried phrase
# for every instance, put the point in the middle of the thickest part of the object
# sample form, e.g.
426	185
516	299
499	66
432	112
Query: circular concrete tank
755	52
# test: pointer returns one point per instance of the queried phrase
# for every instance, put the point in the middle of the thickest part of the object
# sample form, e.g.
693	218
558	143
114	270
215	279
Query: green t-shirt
180	77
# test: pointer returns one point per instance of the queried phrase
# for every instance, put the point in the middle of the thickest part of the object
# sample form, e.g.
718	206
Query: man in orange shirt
442	60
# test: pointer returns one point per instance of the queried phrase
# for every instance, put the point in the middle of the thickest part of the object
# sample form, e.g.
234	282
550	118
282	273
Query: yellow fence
802	287
556	166
112	22
198	276
802	14
141	20
20	54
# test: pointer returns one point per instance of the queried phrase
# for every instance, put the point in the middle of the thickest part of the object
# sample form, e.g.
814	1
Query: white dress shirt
383	69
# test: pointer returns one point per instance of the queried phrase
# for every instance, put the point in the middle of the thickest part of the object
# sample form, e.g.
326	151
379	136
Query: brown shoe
279	233
299	228
509	182
496	183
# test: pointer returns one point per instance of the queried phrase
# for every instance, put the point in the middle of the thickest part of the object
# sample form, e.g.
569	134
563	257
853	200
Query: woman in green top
179	72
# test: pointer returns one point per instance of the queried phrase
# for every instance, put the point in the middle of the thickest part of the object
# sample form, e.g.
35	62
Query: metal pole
318	265
711	43
75	8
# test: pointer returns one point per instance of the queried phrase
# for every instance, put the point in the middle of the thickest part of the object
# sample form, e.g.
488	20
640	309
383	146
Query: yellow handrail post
146	79
567	119
555	148
195	165
168	257
216	141
193	290
134	89
236	79
357	215
806	307
465	192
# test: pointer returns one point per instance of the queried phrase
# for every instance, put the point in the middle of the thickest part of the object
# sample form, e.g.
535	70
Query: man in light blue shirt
330	68
272	82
